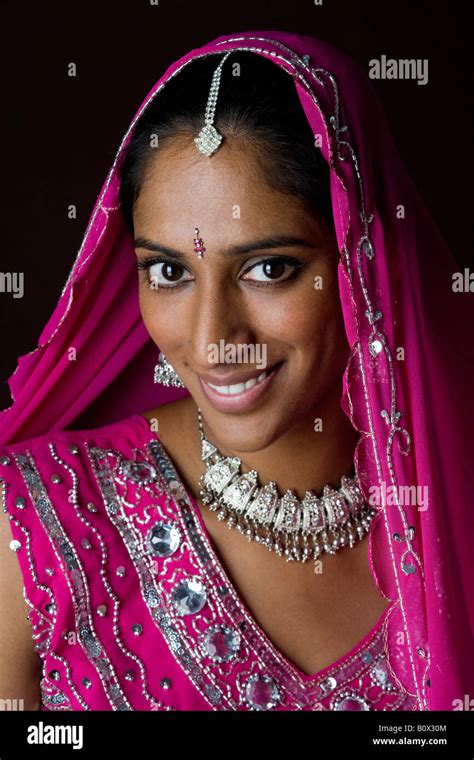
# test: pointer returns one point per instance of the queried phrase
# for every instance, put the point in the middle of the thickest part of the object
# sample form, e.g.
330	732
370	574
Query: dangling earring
165	374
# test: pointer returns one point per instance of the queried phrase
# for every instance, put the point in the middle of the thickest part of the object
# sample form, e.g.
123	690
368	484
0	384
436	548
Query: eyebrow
281	241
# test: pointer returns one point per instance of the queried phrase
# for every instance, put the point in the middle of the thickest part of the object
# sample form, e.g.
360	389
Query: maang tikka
209	139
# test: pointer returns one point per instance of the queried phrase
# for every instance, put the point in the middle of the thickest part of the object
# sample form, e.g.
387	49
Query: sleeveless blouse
129	603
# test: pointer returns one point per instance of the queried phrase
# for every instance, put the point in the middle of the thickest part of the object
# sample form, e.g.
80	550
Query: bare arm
20	665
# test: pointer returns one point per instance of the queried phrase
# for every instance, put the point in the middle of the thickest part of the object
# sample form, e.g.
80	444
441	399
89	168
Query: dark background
60	133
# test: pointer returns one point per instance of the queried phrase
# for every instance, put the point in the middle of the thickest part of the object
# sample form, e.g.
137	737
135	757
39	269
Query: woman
274	228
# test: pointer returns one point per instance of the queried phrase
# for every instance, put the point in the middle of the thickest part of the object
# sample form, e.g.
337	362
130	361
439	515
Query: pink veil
407	381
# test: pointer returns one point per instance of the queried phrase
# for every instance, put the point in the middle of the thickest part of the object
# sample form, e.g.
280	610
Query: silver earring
165	374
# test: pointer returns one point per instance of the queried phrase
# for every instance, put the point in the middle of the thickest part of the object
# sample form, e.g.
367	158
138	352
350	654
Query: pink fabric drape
406	385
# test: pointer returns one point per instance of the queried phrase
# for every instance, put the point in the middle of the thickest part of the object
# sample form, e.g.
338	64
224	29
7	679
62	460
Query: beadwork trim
161	613
76	580
42	636
154	704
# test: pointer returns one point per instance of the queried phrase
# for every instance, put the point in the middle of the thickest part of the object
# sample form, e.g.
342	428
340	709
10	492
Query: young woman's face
267	280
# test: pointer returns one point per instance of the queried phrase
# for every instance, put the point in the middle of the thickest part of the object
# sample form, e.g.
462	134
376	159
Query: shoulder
42	462
49	484
51	468
61	449
60	498
115	431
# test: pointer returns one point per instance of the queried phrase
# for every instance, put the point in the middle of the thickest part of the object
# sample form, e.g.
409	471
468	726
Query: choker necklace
290	527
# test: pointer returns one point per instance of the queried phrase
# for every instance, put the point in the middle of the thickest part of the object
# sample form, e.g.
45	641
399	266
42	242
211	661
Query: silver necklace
292	528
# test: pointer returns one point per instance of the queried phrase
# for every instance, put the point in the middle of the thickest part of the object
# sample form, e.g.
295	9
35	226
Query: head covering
406	382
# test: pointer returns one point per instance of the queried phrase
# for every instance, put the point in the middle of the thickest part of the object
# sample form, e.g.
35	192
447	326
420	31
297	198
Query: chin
247	433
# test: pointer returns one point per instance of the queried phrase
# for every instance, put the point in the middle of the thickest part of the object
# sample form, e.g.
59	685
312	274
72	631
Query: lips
235	388
242	395
232	378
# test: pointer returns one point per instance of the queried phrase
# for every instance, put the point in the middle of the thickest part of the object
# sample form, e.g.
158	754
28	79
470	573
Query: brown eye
171	272
165	274
276	269
273	269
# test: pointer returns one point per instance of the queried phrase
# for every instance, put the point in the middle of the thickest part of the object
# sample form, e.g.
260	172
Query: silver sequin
329	684
375	347
380	676
139	472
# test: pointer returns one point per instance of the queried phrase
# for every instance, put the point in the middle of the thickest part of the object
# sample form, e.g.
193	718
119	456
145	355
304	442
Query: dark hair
260	106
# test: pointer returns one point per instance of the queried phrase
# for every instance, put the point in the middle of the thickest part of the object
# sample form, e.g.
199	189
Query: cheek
159	316
308	318
149	315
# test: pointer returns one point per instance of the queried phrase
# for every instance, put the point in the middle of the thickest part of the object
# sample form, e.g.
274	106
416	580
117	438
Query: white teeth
233	390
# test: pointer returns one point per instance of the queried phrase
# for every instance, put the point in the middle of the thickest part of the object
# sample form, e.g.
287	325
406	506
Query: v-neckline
283	660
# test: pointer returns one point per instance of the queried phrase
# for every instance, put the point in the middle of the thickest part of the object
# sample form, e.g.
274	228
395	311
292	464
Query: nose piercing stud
198	244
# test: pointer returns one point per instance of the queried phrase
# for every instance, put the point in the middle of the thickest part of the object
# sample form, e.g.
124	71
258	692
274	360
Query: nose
218	315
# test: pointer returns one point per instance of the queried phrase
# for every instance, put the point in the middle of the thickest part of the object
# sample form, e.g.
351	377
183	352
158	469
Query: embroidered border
76	580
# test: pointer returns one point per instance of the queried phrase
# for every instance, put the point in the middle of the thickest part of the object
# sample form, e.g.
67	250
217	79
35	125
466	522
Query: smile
240	396
234	390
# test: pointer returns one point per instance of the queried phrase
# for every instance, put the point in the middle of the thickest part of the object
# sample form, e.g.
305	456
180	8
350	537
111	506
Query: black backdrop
60	134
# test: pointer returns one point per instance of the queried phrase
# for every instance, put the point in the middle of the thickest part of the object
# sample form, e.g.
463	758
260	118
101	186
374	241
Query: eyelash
145	264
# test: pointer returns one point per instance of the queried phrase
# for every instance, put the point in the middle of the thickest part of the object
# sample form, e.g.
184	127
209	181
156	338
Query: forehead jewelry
209	139
198	244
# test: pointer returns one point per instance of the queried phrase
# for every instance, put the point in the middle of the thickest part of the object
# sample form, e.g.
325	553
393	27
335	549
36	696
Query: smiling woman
263	202
206	541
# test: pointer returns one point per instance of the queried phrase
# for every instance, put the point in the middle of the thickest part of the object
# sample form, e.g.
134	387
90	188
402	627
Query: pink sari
407	381
130	604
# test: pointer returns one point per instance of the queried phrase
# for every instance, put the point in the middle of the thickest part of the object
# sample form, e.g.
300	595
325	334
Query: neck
302	459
